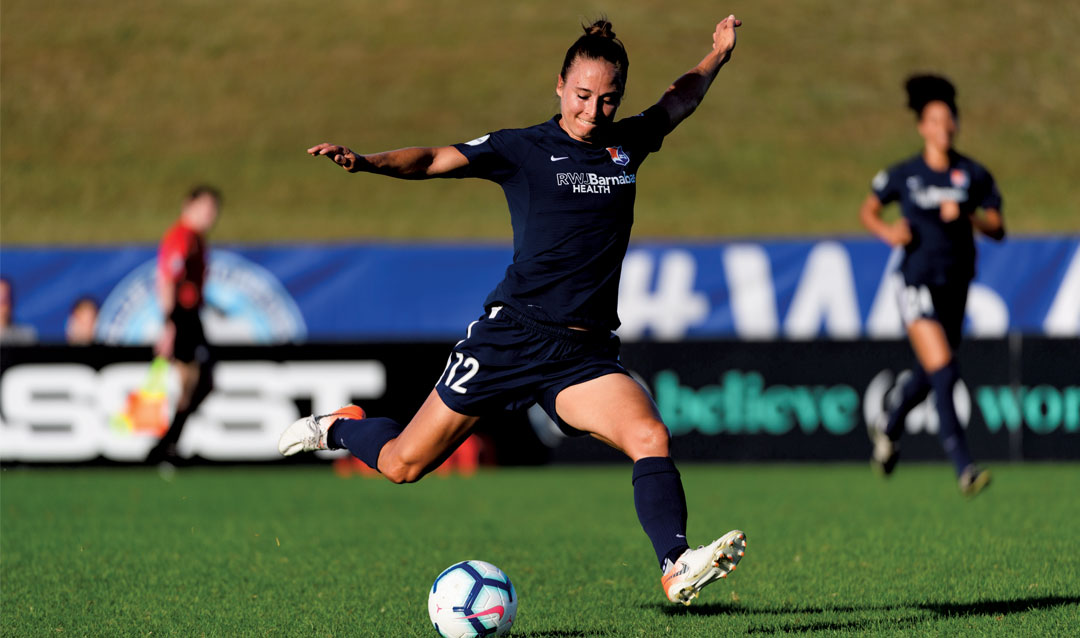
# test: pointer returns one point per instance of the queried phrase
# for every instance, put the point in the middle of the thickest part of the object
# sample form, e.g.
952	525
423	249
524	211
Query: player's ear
559	84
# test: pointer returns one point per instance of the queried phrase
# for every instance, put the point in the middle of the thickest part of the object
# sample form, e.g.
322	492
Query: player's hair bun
602	28
598	43
925	88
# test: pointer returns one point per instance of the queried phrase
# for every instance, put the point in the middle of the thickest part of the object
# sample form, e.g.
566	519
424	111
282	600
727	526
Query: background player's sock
949	430
661	506
364	438
912	393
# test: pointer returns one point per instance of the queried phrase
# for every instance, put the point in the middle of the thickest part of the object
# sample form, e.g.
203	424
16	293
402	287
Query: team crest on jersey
618	155
958	177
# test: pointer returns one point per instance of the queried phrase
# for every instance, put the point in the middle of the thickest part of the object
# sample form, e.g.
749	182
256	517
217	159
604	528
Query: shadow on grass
895	624
941	609
558	633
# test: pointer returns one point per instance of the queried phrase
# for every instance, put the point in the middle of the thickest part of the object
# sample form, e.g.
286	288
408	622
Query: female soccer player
546	334
940	193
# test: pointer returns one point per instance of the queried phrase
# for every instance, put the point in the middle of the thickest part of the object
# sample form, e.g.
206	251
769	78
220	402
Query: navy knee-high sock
911	394
661	506
365	438
949	430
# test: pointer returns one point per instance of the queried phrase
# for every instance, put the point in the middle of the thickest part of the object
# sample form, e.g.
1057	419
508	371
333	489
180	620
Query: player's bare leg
401	454
615	409
432	434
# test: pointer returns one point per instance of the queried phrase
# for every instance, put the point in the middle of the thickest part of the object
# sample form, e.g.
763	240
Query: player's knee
398	469
650	438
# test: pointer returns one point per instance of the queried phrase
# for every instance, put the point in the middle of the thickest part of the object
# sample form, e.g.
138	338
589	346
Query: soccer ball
472	599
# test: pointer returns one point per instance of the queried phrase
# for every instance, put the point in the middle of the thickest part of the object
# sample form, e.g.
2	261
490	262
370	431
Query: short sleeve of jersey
495	156
987	194
886	185
172	256
647	129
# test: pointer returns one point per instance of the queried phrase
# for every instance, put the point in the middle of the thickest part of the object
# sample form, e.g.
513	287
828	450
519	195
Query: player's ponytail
924	89
598	43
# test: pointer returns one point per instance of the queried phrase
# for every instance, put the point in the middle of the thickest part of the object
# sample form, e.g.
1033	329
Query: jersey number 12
470	367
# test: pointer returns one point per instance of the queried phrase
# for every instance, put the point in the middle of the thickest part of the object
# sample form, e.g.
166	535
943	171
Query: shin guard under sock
912	394
661	506
949	430
364	438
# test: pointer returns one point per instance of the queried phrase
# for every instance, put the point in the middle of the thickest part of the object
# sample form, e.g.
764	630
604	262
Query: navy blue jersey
571	207
940	252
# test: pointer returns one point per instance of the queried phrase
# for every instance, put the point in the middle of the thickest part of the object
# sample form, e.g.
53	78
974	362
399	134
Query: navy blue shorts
944	304
508	362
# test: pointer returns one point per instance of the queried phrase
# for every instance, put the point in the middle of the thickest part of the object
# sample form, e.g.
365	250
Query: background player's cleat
973	480
886	451
309	433
698	567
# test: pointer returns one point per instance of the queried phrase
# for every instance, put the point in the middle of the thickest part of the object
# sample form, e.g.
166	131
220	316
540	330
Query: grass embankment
110	111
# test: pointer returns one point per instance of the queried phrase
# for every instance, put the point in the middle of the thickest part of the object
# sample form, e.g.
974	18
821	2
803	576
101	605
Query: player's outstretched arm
686	93
404	163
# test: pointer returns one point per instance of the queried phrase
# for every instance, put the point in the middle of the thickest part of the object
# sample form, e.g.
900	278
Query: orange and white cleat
309	433
696	568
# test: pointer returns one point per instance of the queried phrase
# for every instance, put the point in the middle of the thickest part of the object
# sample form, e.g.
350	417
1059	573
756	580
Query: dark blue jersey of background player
571	207
944	197
938	205
545	336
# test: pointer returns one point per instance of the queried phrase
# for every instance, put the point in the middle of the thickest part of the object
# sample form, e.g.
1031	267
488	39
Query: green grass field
111	110
296	551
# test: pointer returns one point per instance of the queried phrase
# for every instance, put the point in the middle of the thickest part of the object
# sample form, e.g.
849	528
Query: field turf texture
111	110
297	551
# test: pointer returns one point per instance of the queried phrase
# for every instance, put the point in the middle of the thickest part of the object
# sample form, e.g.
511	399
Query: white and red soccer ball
472	599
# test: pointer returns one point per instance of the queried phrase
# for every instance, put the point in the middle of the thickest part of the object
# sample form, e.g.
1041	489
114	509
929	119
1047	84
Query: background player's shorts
944	304
190	344
509	362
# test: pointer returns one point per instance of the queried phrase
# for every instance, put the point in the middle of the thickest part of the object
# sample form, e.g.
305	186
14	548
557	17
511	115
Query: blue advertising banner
787	289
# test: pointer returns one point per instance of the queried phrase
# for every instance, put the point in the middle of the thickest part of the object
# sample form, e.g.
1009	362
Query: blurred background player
547	333
81	326
940	193
181	274
12	333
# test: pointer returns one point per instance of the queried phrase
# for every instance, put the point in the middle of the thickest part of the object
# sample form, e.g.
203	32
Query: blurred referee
181	274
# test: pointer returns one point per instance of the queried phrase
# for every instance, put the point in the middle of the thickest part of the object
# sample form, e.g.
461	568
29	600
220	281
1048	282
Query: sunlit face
81	323
589	95
937	126
201	213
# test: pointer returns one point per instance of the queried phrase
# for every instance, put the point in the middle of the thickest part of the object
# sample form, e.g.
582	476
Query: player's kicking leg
696	568
403	454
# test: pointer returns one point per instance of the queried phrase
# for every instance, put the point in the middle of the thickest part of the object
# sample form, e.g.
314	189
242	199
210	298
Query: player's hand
165	343
724	37
899	233
950	211
340	155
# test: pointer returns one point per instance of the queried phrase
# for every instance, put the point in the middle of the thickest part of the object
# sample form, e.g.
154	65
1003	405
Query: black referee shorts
190	344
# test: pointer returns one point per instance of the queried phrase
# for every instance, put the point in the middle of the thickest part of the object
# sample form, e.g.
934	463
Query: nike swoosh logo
556	159
496	608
